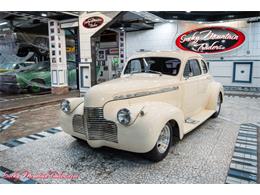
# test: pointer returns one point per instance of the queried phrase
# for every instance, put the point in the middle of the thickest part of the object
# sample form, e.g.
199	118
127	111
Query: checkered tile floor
243	166
8	122
16	142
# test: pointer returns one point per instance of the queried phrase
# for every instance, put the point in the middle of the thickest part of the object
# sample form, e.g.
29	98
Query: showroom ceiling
128	21
205	16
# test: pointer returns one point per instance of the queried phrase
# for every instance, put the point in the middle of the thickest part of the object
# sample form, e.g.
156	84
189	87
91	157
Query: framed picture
101	54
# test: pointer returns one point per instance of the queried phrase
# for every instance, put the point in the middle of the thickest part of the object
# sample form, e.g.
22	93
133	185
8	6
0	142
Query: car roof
172	54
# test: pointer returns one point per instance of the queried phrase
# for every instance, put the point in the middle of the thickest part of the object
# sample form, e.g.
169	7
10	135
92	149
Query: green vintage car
35	79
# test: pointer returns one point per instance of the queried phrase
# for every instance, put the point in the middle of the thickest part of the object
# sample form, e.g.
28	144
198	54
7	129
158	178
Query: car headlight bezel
124	116
65	106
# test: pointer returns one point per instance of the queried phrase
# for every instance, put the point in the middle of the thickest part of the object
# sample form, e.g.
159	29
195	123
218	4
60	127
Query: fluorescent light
188	11
3	23
43	14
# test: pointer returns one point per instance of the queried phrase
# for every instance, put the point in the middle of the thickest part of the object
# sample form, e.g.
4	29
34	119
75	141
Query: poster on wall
210	40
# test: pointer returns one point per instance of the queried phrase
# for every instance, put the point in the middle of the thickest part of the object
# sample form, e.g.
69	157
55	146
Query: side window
187	70
195	67
134	65
204	67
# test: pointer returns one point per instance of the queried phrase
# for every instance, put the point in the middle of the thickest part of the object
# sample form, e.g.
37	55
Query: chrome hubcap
164	139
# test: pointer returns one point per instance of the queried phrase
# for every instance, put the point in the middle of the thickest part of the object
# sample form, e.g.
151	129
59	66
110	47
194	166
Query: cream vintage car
160	95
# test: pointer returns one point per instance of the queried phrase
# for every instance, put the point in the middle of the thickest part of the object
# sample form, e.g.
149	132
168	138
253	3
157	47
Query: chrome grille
98	128
78	124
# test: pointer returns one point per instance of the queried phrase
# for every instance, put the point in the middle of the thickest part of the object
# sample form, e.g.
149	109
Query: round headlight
65	106
123	116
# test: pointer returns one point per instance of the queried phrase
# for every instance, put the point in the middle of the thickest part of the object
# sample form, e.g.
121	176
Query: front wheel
218	107
162	146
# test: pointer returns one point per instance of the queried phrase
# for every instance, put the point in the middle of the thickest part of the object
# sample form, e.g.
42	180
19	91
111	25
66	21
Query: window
192	68
154	65
204	66
195	67
187	70
135	65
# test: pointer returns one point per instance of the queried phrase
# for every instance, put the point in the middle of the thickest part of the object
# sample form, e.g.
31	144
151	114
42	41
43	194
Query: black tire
215	115
155	155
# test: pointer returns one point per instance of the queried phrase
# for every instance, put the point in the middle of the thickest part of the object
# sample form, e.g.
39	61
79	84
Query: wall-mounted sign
210	40
93	22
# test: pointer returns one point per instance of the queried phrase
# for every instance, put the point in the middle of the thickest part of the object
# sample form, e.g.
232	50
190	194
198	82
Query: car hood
126	87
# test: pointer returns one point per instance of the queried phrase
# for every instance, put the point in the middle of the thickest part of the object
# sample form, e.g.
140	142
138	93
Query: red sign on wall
210	40
93	22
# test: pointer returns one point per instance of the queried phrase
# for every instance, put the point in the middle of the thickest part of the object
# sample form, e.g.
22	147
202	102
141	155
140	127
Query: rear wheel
162	146
218	107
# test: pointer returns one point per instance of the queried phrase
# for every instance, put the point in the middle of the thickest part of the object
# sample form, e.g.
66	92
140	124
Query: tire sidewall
217	111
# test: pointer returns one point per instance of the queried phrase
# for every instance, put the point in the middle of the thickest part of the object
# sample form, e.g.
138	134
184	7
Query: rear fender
215	89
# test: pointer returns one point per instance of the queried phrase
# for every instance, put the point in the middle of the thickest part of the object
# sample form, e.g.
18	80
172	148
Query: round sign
210	40
93	22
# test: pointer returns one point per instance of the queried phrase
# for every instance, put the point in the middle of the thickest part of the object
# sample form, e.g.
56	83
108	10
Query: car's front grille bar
97	127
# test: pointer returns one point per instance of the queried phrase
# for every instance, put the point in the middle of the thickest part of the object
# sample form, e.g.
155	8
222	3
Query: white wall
163	37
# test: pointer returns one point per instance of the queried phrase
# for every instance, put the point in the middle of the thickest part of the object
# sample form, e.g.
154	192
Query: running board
194	121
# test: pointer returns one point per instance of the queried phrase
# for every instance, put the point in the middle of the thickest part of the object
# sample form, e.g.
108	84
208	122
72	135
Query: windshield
168	66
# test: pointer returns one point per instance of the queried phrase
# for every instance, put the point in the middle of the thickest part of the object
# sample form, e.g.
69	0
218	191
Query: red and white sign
210	40
93	22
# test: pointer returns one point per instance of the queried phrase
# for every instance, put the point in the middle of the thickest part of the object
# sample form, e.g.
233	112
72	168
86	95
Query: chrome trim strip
145	93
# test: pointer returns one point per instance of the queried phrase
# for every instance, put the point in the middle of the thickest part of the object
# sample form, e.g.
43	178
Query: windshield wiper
153	71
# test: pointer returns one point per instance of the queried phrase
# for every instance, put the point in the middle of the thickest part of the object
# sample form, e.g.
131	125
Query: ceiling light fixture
188	11
43	14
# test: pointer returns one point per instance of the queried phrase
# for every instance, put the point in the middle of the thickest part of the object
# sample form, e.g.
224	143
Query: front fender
143	132
77	108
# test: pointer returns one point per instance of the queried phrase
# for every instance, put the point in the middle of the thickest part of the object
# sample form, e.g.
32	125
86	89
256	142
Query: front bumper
139	137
